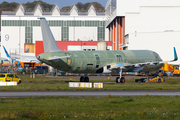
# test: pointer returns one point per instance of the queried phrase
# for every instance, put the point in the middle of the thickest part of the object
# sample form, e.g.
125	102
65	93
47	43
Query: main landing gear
120	79
84	78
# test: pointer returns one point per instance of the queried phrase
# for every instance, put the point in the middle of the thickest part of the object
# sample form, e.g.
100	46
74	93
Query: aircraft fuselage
101	61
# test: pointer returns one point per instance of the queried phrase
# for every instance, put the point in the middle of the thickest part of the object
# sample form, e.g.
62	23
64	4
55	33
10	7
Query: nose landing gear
120	79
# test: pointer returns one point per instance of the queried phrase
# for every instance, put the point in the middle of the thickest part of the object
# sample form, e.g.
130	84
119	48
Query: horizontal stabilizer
56	57
175	57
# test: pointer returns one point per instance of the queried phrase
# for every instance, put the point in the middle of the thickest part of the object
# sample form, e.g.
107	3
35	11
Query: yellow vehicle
9	77
156	79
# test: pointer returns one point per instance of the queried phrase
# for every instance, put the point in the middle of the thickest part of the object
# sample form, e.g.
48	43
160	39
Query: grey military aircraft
97	61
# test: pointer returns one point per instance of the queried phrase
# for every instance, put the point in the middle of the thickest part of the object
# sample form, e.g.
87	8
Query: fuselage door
97	60
156	56
119	58
89	67
68	59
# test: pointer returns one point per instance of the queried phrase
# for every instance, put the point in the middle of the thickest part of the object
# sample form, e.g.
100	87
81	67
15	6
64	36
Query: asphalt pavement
15	94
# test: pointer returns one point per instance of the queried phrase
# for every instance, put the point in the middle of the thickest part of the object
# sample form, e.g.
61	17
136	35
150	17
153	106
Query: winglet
6	52
175	55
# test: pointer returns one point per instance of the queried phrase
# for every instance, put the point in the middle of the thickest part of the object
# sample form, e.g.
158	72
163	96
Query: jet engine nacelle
104	70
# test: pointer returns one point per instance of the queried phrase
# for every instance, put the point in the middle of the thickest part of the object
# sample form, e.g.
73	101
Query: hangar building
144	24
73	30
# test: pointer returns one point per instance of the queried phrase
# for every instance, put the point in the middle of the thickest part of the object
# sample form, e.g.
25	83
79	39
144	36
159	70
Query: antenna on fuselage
49	42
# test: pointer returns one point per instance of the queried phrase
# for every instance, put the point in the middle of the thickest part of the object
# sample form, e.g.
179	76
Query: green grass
104	108
41	83
60	79
109	86
97	108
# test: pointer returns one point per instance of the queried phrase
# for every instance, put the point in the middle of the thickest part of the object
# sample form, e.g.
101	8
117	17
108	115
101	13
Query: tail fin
7	54
49	42
175	55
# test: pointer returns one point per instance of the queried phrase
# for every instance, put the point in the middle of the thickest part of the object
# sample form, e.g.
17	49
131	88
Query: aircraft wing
139	66
23	56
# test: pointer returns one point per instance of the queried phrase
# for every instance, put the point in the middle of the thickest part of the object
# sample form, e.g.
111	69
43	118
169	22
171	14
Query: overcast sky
60	3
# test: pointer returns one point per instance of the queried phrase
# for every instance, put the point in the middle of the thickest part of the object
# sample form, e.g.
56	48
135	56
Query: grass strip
111	108
109	86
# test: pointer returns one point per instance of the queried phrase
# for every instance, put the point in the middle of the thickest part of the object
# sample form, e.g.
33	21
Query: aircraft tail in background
8	56
49	42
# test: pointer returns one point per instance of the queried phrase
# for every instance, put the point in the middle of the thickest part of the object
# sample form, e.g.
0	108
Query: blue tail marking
175	55
6	52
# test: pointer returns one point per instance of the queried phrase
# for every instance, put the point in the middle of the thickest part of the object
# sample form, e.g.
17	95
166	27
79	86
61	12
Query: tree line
29	6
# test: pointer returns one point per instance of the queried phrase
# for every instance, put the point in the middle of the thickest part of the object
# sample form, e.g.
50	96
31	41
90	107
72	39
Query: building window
64	27
64	23
65	33
28	33
101	33
82	23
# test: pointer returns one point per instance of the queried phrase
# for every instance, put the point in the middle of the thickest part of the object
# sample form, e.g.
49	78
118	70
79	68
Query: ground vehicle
156	79
176	71
40	70
153	79
9	77
168	69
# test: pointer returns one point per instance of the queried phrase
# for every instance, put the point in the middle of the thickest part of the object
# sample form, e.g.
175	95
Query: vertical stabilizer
8	56
49	42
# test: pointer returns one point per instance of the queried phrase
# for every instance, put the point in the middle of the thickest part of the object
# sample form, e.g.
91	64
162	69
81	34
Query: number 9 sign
6	37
